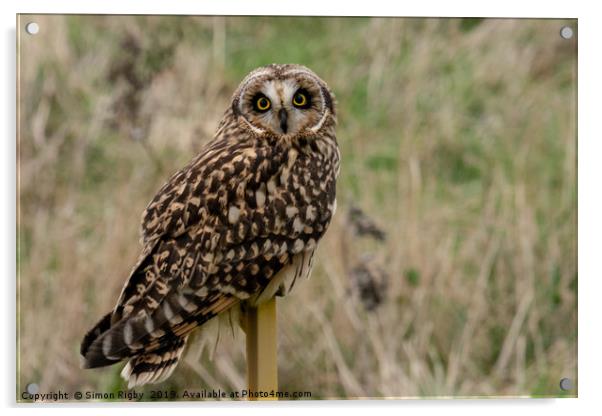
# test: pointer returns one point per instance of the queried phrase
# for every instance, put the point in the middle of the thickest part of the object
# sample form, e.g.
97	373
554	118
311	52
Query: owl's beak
283	116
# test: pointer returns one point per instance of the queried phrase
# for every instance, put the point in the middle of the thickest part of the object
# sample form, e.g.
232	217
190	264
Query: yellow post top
262	351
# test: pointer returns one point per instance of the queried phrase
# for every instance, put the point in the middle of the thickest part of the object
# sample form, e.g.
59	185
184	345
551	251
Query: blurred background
451	266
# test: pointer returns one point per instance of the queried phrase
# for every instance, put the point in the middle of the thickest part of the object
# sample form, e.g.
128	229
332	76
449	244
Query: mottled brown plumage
239	223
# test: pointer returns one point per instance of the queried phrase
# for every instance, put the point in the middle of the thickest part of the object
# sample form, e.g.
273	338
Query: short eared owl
239	223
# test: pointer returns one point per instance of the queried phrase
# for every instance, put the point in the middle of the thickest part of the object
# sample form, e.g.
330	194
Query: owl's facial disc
283	106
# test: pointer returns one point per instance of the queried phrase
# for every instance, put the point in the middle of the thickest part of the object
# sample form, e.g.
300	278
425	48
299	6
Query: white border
509	8
590	184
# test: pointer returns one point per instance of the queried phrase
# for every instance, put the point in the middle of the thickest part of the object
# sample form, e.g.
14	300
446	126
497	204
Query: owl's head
283	100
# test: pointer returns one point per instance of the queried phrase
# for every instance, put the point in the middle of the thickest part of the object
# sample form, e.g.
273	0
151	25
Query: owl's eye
261	103
301	99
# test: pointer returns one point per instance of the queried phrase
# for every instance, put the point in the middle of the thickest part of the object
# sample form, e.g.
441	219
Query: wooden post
262	363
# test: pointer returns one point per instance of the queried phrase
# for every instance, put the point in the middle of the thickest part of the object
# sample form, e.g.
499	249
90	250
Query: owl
238	225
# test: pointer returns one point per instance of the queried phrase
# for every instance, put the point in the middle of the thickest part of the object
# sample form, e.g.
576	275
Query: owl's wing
218	232
176	217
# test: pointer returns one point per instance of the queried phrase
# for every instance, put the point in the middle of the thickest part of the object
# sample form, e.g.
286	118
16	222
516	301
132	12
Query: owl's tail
96	359
155	366
152	343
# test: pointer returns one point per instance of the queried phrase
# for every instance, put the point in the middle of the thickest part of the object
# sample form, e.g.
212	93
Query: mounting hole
32	28
566	384
566	32
32	388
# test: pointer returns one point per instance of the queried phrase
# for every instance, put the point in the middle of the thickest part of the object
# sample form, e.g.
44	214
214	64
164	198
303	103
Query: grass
458	137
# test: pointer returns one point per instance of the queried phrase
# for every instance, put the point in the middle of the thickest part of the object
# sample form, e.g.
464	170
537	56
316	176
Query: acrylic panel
447	267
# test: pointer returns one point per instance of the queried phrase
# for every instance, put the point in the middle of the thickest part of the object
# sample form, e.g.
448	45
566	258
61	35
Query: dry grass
458	137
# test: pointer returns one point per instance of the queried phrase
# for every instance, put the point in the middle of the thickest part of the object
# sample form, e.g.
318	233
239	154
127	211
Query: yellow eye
300	100
262	103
